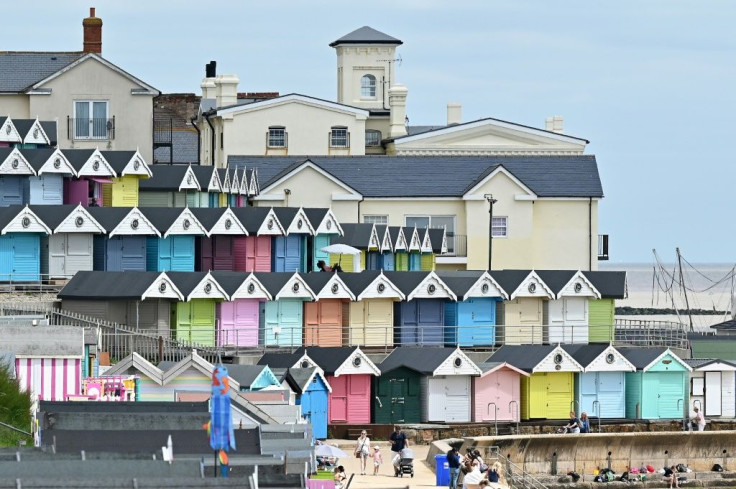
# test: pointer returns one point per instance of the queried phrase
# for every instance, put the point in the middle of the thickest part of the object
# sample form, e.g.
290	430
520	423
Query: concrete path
423	476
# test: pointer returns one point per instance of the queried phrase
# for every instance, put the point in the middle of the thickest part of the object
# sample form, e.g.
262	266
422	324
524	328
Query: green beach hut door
398	400
669	392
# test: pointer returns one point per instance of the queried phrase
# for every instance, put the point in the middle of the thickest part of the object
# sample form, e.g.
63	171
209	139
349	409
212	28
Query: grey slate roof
393	232
414	130
208	216
486	366
435	236
555	279
523	357
422	359
328	359
162	217
725	325
184	148
406	281
118	159
229	280
107	285
21	70
439	176
186	281
252	218
165	177
357	282
286	215
279	360
611	284
273	281
7	214
297	378
23	126
109	217
509	280
641	357
355	235
315	215
204	175
696	363
78	157
37	157
52	215
584	354
366	35
245	374
460	281
49	127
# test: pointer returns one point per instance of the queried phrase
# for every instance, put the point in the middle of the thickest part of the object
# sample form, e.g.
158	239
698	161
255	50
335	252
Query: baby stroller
405	463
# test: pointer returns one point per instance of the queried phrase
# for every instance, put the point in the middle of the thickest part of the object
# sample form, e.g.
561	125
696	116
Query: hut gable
579	286
533	286
189	180
380	288
96	166
15	163
558	360
162	288
135	362
251	288
57	162
135	223
79	221
23	220
431	287
457	363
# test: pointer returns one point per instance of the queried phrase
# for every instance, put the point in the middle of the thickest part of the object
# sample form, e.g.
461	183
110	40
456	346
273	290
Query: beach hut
234	187
216	251
312	392
124	246
499	385
658	387
386	259
32	133
130	168
471	320
93	172
238	319
444	383
169	186
140	300
364	237
51	168
194	320
326	228
14	173
611	286
371	316
174	248
253	252
283	316
209	188
20	244
420	320
522	316
712	387
253	377
323	319
70	248
349	372
567	314
600	390
396	394
549	391
289	252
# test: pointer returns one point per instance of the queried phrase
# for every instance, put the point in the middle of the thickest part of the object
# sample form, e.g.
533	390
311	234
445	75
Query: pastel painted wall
547	395
16	107
49	379
502	387
323	323
350	399
371	322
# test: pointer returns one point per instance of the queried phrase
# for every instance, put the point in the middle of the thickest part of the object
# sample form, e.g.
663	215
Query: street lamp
491	201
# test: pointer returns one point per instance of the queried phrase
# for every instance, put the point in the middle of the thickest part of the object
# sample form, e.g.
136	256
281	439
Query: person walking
377	459
699	419
363	450
453	461
398	441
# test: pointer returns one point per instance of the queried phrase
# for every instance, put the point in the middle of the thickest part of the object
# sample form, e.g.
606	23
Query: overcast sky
651	83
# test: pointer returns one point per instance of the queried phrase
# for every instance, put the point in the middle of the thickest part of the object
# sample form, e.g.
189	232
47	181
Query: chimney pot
554	124
91	11
454	114
92	33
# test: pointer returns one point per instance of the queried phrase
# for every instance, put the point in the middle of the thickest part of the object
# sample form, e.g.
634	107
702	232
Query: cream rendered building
94	103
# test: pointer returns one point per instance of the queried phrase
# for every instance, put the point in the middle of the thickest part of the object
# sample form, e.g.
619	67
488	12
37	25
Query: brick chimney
92	27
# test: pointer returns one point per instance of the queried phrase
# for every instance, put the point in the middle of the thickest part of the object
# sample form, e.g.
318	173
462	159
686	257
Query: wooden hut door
588	392
57	254
339	399
713	394
206	262
670	389
399	392
223	253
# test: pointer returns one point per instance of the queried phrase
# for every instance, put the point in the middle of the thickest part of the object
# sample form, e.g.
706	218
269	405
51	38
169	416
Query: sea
708	286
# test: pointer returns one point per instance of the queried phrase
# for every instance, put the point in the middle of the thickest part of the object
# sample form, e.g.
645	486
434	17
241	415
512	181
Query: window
368	86
91	120
339	137
372	137
436	222
277	137
376	219
499	227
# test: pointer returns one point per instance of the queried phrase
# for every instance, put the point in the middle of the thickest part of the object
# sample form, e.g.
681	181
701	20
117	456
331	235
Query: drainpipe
361	200
590	234
212	139
199	137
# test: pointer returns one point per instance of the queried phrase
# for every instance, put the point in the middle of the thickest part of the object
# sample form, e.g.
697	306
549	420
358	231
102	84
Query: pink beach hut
497	389
237	319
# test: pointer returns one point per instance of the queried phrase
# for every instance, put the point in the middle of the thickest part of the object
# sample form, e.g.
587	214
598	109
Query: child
377	459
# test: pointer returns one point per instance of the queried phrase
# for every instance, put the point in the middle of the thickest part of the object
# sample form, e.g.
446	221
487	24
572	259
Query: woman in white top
363	450
472	479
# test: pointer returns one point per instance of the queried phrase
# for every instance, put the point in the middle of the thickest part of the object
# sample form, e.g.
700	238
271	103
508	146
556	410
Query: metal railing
457	245
32	282
511	474
82	128
162	131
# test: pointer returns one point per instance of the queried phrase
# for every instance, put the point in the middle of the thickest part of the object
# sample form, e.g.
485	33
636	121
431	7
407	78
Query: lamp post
491	201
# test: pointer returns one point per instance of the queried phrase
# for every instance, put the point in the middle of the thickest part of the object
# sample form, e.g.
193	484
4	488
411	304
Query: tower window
368	86
372	137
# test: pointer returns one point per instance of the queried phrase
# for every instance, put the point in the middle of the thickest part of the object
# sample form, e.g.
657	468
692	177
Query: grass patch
15	409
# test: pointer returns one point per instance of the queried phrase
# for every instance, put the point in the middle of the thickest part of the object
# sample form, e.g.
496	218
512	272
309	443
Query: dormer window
372	137
368	86
339	137
277	137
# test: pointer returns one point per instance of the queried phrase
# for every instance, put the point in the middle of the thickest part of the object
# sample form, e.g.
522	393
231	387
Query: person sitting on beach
585	422
670	475
323	267
339	476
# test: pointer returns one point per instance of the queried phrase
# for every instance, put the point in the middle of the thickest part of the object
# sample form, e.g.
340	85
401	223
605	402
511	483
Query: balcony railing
603	247
457	245
90	128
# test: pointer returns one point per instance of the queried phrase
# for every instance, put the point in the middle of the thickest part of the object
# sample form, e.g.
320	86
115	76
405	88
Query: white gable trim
222	227
295	98
400	241
414	242
386	244
486	286
243	189
321	373
180	226
610	360
271	226
134	360
306	362
568	364
234	182
79	221
579	286
499	170
208	288
16	164
507	366
251	288
431	287
137	166
450	367
189	181
57	163
304	166
426	246
300	224
365	366
374	242
162	288
296	288
329	224
253	188
26	222
96	166
335	288
8	132
214	184
675	357
226	183
375	291
533	286
36	135
135	224
149	89
716	366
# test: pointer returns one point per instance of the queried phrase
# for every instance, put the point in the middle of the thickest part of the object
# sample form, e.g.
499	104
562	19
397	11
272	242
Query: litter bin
442	470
